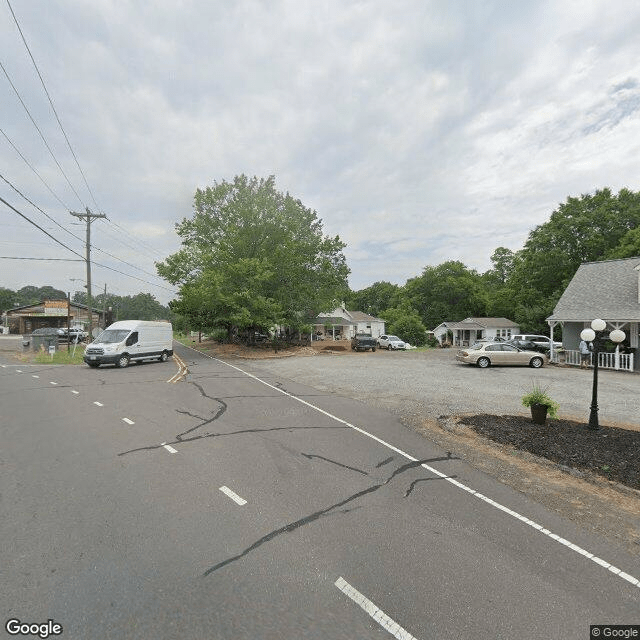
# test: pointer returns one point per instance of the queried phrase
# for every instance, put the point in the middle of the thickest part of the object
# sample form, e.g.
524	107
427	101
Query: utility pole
104	307
88	217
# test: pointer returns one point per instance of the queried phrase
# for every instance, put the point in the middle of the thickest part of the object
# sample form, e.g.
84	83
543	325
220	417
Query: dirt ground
571	481
320	347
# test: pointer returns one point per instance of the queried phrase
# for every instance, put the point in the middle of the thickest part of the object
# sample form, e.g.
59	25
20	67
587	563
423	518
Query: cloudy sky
420	131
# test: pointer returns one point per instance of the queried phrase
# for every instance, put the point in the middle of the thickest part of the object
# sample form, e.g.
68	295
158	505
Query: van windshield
112	336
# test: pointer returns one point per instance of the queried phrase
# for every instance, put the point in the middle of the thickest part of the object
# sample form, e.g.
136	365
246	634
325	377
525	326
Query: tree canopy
524	285
253	257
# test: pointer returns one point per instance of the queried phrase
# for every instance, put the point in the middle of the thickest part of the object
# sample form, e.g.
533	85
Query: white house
343	324
469	330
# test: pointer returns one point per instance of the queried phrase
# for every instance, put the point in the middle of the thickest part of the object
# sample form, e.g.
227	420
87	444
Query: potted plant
541	404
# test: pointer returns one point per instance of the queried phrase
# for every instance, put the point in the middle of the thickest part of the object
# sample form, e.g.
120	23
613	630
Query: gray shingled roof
361	316
503	323
462	325
607	290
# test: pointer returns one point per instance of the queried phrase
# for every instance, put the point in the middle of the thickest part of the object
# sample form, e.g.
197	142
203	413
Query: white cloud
420	132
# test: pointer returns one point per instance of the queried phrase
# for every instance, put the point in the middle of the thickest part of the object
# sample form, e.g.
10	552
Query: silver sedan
485	354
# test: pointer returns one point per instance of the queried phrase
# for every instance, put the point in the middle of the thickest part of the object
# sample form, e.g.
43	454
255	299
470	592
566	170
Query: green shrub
538	395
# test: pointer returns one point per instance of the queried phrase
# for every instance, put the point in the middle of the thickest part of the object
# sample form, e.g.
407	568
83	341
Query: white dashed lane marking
53	383
98	404
514	514
377	614
234	496
75	392
168	447
128	421
34	376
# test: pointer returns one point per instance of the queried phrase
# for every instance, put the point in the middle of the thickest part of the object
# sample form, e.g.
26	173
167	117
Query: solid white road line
234	496
168	447
574	547
377	614
128	421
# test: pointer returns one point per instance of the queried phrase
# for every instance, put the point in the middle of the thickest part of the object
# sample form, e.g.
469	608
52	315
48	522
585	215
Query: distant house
344	324
49	313
609	290
470	330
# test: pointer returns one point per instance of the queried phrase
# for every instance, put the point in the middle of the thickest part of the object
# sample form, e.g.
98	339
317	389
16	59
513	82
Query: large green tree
375	298
585	229
248	242
8	299
449	291
405	322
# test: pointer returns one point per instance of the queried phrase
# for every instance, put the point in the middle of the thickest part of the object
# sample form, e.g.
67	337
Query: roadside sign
52	349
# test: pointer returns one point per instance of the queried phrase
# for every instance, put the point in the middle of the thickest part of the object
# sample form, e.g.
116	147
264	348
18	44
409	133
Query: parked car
485	354
391	342
546	340
363	342
75	334
528	345
45	331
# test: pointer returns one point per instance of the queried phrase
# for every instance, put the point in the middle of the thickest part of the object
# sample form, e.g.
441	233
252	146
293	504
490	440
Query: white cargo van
131	340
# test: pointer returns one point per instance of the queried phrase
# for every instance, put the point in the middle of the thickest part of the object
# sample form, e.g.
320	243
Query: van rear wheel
122	361
164	357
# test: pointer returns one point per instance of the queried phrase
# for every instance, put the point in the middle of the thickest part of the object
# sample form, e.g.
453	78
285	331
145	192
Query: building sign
55	308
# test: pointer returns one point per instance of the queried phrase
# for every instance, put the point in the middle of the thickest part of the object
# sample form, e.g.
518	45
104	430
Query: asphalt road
232	506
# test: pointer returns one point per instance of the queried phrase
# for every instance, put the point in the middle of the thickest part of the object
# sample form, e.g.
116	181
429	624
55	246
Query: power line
44	213
48	259
64	133
73	234
152	250
39	227
46	144
34	170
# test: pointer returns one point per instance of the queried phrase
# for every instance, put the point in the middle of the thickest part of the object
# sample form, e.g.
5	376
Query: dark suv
363	342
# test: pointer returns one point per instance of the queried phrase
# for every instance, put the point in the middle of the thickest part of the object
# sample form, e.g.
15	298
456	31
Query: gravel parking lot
433	383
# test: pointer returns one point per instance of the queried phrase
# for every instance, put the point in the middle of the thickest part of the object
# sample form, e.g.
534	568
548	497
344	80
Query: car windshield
394	338
112	336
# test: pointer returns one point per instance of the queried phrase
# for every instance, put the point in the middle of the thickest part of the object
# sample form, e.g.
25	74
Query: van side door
132	344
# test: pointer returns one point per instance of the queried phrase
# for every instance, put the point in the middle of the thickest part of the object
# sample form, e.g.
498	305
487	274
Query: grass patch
61	356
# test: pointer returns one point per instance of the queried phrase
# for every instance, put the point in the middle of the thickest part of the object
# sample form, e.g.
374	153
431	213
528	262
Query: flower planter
539	413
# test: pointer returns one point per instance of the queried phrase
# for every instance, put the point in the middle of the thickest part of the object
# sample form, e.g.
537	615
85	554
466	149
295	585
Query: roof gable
609	289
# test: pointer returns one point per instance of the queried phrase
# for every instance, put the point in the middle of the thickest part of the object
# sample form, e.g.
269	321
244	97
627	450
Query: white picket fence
606	360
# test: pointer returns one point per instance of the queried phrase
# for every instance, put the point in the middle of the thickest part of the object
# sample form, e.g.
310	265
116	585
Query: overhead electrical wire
73	234
62	244
64	133
51	191
46	144
44	213
97	264
153	252
62	171
48	259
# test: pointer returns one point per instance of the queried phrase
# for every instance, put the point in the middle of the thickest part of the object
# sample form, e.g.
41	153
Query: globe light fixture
596	336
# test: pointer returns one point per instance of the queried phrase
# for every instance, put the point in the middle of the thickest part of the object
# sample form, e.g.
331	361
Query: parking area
432	383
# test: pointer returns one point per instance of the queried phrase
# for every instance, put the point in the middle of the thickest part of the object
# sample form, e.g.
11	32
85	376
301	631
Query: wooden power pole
88	217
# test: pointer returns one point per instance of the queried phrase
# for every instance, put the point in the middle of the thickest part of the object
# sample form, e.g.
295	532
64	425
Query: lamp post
596	335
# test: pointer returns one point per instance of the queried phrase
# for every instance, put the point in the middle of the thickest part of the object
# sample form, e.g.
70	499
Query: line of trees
142	306
253	257
524	285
